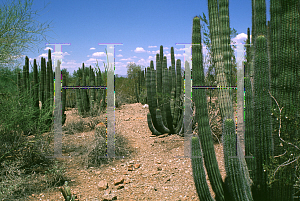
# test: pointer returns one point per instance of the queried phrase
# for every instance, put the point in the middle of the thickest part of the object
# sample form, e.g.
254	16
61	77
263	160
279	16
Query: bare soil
151	172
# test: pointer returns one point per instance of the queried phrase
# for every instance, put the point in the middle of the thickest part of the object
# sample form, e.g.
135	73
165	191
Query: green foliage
133	72
17	17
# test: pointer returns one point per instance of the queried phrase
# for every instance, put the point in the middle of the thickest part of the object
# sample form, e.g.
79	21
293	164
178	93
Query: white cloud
139	50
100	54
125	59
239	39
48	48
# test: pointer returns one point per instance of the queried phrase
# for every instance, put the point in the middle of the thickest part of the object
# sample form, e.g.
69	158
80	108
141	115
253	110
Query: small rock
130	168
118	181
107	192
102	185
109	197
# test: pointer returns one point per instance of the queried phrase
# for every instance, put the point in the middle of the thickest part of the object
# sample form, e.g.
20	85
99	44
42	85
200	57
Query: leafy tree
210	74
17	30
132	77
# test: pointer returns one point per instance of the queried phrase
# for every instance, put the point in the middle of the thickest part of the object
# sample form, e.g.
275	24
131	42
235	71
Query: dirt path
151	172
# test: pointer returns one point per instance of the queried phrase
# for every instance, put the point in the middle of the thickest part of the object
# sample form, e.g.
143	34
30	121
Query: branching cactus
280	75
165	99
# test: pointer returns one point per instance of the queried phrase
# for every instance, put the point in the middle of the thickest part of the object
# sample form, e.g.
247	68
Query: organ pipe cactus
78	95
203	122
86	104
35	90
92	83
64	83
99	83
165	102
42	80
51	77
103	105
259	141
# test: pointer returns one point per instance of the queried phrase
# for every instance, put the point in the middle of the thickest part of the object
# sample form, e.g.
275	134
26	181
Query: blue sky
142	26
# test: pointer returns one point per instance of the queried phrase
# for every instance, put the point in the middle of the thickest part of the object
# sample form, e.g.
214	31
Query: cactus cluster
271	82
140	87
164	96
41	88
86	98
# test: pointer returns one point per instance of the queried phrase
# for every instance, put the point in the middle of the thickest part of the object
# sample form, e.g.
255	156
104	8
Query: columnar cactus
42	80
261	160
27	81
92	83
78	95
204	134
36	89
64	83
165	102
48	104
104	92
51	77
84	92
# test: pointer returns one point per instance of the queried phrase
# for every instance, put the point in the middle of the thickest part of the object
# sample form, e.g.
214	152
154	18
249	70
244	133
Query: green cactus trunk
36	90
202	117
164	105
64	96
42	80
103	105
93	95
79	96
